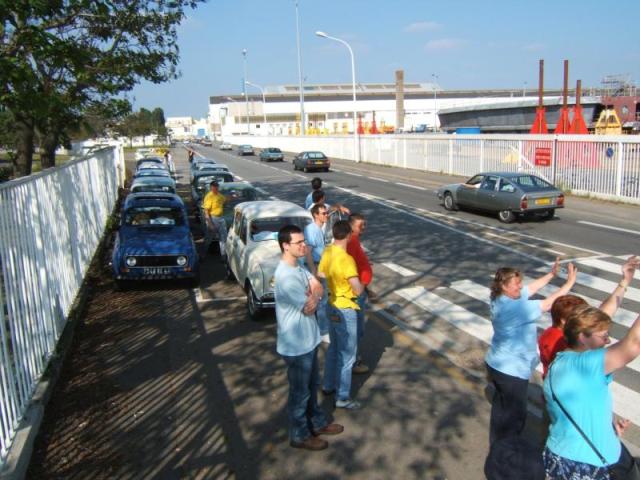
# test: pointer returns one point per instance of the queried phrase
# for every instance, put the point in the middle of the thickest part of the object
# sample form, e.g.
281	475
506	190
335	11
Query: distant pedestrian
316	184
297	295
314	238
170	165
365	273
190	154
513	354
339	269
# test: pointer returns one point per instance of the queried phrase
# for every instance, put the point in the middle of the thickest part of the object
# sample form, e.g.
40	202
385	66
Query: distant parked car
154	240
226	146
252	248
271	155
206	142
307	161
202	180
245	150
142	160
508	194
153	184
152	172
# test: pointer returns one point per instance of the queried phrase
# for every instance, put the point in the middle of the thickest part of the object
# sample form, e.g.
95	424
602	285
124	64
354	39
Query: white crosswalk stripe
626	400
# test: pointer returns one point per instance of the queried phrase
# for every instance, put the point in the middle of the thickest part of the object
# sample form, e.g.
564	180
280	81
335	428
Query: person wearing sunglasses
315	240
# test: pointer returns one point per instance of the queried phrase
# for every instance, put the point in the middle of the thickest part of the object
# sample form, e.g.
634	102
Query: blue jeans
302	407
341	354
321	312
362	303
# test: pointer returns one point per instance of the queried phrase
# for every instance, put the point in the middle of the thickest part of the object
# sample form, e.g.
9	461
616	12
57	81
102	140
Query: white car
225	146
252	251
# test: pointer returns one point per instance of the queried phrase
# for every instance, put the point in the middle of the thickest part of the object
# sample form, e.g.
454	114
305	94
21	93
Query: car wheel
549	214
449	202
255	312
295	167
506	216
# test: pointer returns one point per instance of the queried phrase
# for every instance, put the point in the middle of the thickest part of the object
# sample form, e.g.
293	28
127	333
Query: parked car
226	146
152	172
509	194
202	180
271	155
206	142
245	150
236	192
154	240
142	160
307	161
153	184
143	152
252	248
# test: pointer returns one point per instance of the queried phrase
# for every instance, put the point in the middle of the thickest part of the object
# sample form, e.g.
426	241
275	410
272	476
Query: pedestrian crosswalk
596	276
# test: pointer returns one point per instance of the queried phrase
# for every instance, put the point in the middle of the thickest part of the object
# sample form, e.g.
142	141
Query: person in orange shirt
365	273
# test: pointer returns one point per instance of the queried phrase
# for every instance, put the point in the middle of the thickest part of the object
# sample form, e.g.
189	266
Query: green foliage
60	59
142	123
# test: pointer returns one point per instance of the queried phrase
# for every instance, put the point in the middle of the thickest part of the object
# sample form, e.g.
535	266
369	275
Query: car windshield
238	195
152	188
274	150
203	182
264	229
531	182
153	215
157	172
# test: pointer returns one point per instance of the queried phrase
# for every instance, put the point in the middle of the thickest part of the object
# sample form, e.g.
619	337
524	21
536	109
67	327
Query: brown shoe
311	443
330	429
359	368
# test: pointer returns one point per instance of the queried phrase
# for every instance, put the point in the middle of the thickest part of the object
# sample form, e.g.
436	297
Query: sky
465	43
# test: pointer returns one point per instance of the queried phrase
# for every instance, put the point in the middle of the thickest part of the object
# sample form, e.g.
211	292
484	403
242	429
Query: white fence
601	166
50	226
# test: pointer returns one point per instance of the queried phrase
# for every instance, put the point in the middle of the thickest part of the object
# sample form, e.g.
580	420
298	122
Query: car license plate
543	201
320	163
156	271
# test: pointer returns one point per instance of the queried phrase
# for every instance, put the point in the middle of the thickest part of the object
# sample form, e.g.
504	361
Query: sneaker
348	404
330	429
360	368
311	443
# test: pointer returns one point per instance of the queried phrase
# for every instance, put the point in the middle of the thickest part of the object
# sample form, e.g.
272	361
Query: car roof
153	180
236	186
272	208
204	160
507	174
153	198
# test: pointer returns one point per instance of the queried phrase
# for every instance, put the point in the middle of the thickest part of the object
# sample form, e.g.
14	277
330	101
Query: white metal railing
592	165
50	226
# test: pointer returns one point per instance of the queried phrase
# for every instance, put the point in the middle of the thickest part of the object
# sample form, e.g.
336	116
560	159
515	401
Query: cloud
444	44
422	27
534	47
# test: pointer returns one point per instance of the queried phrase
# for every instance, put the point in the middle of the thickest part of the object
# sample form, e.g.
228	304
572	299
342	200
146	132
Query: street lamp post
303	127
356	149
524	88
246	98
435	102
264	103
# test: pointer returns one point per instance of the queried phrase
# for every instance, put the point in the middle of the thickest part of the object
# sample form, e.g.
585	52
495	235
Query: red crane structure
539	123
563	125
578	125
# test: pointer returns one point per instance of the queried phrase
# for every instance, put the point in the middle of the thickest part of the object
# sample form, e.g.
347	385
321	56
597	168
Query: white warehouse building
328	109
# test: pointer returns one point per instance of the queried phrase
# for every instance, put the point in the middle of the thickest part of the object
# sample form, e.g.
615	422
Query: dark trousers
509	405
303	410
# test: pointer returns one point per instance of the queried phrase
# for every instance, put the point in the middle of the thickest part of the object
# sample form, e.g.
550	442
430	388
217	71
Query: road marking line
606	266
222	299
555	252
379	179
411	186
609	227
353	174
405	272
625	400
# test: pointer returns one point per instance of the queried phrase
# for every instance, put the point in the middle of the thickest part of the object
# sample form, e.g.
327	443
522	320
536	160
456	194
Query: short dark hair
316	208
284	235
316	183
214	184
354	217
563	307
341	229
317	195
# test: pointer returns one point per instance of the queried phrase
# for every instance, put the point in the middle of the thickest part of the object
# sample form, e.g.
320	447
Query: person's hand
620	425
311	304
345	210
572	273
556	267
629	268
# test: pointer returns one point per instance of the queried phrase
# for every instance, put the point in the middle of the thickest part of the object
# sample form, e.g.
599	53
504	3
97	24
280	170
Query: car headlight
131	261
181	261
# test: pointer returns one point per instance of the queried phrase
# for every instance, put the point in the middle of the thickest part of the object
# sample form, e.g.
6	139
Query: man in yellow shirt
340	271
213	206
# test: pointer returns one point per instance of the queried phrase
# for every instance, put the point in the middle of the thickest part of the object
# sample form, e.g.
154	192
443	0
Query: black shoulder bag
626	468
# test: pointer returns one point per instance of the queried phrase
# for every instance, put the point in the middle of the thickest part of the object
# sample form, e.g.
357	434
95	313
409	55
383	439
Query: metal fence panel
50	226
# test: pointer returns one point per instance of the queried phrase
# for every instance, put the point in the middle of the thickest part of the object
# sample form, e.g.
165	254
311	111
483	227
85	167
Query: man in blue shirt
316	184
298	294
315	240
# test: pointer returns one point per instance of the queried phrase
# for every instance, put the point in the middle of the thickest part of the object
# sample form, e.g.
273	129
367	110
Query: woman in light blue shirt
513	354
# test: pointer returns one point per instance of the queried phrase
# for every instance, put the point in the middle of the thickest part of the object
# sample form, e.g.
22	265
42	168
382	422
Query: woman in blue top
580	378
513	354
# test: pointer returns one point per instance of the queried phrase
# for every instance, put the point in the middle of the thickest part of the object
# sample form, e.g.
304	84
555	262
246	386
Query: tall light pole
524	88
356	149
435	102
303	127
246	98
264	103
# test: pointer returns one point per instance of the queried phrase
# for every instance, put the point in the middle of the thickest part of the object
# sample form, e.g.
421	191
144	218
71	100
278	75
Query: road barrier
600	166
51	224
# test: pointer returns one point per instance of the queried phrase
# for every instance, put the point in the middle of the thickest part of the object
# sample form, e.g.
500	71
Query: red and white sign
543	156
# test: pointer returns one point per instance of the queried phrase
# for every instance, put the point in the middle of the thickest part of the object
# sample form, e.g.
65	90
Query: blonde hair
503	275
584	319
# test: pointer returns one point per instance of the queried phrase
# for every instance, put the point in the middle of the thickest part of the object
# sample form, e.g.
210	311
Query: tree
61	58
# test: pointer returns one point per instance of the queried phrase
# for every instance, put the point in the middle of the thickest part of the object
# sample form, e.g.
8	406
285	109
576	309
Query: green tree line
66	65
